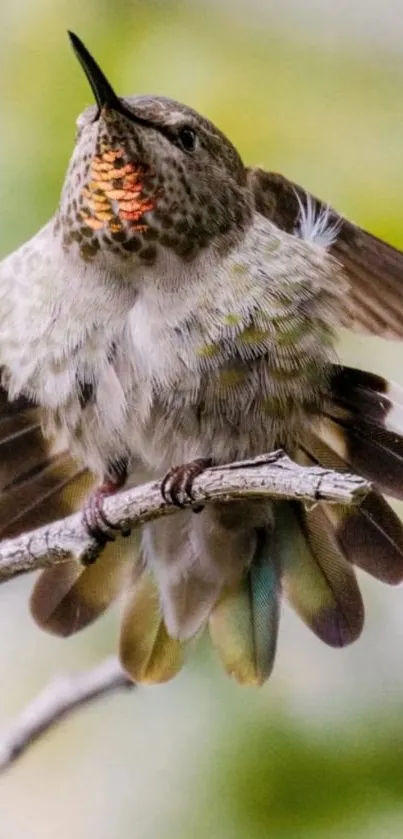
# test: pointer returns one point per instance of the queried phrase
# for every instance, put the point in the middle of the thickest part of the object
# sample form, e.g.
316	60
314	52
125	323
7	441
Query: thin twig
57	701
272	476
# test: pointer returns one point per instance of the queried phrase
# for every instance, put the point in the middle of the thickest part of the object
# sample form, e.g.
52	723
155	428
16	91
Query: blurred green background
313	89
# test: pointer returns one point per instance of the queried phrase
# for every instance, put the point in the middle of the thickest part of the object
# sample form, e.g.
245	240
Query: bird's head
149	174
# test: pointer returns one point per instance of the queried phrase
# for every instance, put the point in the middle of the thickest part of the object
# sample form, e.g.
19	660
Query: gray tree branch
273	476
58	700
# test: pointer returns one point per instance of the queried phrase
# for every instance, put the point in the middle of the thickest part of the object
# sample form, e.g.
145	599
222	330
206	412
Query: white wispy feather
316	225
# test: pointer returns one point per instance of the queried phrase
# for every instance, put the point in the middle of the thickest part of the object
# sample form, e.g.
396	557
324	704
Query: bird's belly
243	417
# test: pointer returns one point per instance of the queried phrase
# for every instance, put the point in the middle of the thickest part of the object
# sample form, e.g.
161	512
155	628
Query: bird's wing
39	480
374	304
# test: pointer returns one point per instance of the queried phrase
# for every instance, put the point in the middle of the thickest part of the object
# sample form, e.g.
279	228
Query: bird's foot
95	519
177	485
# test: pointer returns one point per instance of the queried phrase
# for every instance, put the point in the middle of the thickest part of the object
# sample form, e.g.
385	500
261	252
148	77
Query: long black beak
104	94
102	90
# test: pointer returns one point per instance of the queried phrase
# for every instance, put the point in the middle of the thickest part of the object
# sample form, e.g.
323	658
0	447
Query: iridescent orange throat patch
114	193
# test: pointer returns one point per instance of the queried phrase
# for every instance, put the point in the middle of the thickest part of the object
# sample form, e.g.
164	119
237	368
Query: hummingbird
178	310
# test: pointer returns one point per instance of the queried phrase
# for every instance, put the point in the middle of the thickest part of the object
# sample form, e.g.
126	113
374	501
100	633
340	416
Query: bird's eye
187	139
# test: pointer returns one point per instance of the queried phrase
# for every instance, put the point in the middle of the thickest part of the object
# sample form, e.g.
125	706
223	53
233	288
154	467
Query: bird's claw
177	485
95	519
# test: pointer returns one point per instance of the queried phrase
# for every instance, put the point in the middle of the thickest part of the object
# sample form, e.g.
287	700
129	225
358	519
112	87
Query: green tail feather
244	624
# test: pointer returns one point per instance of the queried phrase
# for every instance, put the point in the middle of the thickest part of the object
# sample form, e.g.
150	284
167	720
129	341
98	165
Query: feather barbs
316	224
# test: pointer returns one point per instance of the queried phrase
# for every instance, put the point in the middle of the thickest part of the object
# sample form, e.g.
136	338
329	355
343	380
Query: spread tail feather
371	535
68	597
195	557
244	624
187	592
317	581
147	652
